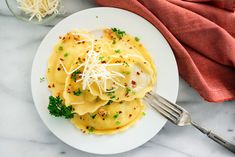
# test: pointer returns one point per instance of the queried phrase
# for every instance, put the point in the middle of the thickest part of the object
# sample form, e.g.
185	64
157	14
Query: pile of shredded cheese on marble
95	71
38	8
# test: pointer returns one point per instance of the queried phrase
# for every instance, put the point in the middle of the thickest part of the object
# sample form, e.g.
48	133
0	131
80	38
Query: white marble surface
23	134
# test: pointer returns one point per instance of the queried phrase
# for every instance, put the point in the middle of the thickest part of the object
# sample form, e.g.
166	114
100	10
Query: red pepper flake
61	59
83	59
125	84
53	85
83	42
117	127
130	47
60	37
120	112
138	73
128	40
103	119
145	62
84	131
49	86
134	108
130	115
133	83
95	40
63	38
58	69
103	62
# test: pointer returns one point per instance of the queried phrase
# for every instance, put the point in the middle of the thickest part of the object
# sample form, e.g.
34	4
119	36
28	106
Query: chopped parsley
113	97
126	64
58	109
126	72
137	39
78	92
118	32
110	93
66	54
90	129
42	79
101	58
118	122
115	116
114	42
61	48
128	90
109	102
74	75
118	51
143	113
93	116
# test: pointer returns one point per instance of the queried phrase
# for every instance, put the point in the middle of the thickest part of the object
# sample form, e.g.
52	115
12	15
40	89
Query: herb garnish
58	109
115	116
143	113
101	58
112	97
126	72
118	122
74	75
114	42
61	48
90	129
66	54
126	64
128	90
93	116
118	32
78	92
109	102
42	79
137	39
118	51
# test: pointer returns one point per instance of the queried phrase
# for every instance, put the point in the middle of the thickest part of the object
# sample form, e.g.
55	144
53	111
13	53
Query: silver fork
181	117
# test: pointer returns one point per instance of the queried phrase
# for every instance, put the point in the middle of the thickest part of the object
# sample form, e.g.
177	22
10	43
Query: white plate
167	80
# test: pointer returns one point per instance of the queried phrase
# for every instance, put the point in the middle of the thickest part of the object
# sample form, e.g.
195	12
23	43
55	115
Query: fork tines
169	110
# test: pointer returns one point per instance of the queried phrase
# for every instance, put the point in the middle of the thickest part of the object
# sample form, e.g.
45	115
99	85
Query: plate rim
32	81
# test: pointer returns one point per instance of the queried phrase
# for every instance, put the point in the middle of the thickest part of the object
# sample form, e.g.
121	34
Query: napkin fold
224	4
202	37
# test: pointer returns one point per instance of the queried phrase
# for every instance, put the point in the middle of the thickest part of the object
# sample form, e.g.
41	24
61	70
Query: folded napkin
202	38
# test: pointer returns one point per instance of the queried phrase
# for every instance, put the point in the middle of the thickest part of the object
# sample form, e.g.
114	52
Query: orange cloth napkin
202	37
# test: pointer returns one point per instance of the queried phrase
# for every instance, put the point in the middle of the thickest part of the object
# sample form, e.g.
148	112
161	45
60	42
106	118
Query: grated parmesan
38	8
95	71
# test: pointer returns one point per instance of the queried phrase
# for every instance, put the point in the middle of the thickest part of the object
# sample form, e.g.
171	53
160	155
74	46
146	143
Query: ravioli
65	51
102	78
110	119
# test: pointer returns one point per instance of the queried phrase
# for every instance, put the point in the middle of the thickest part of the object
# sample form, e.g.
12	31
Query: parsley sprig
58	109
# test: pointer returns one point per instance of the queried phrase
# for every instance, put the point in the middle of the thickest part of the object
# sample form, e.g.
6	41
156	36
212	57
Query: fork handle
215	137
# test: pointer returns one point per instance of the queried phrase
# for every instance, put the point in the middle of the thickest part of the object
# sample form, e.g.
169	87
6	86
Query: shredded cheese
94	71
38	8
